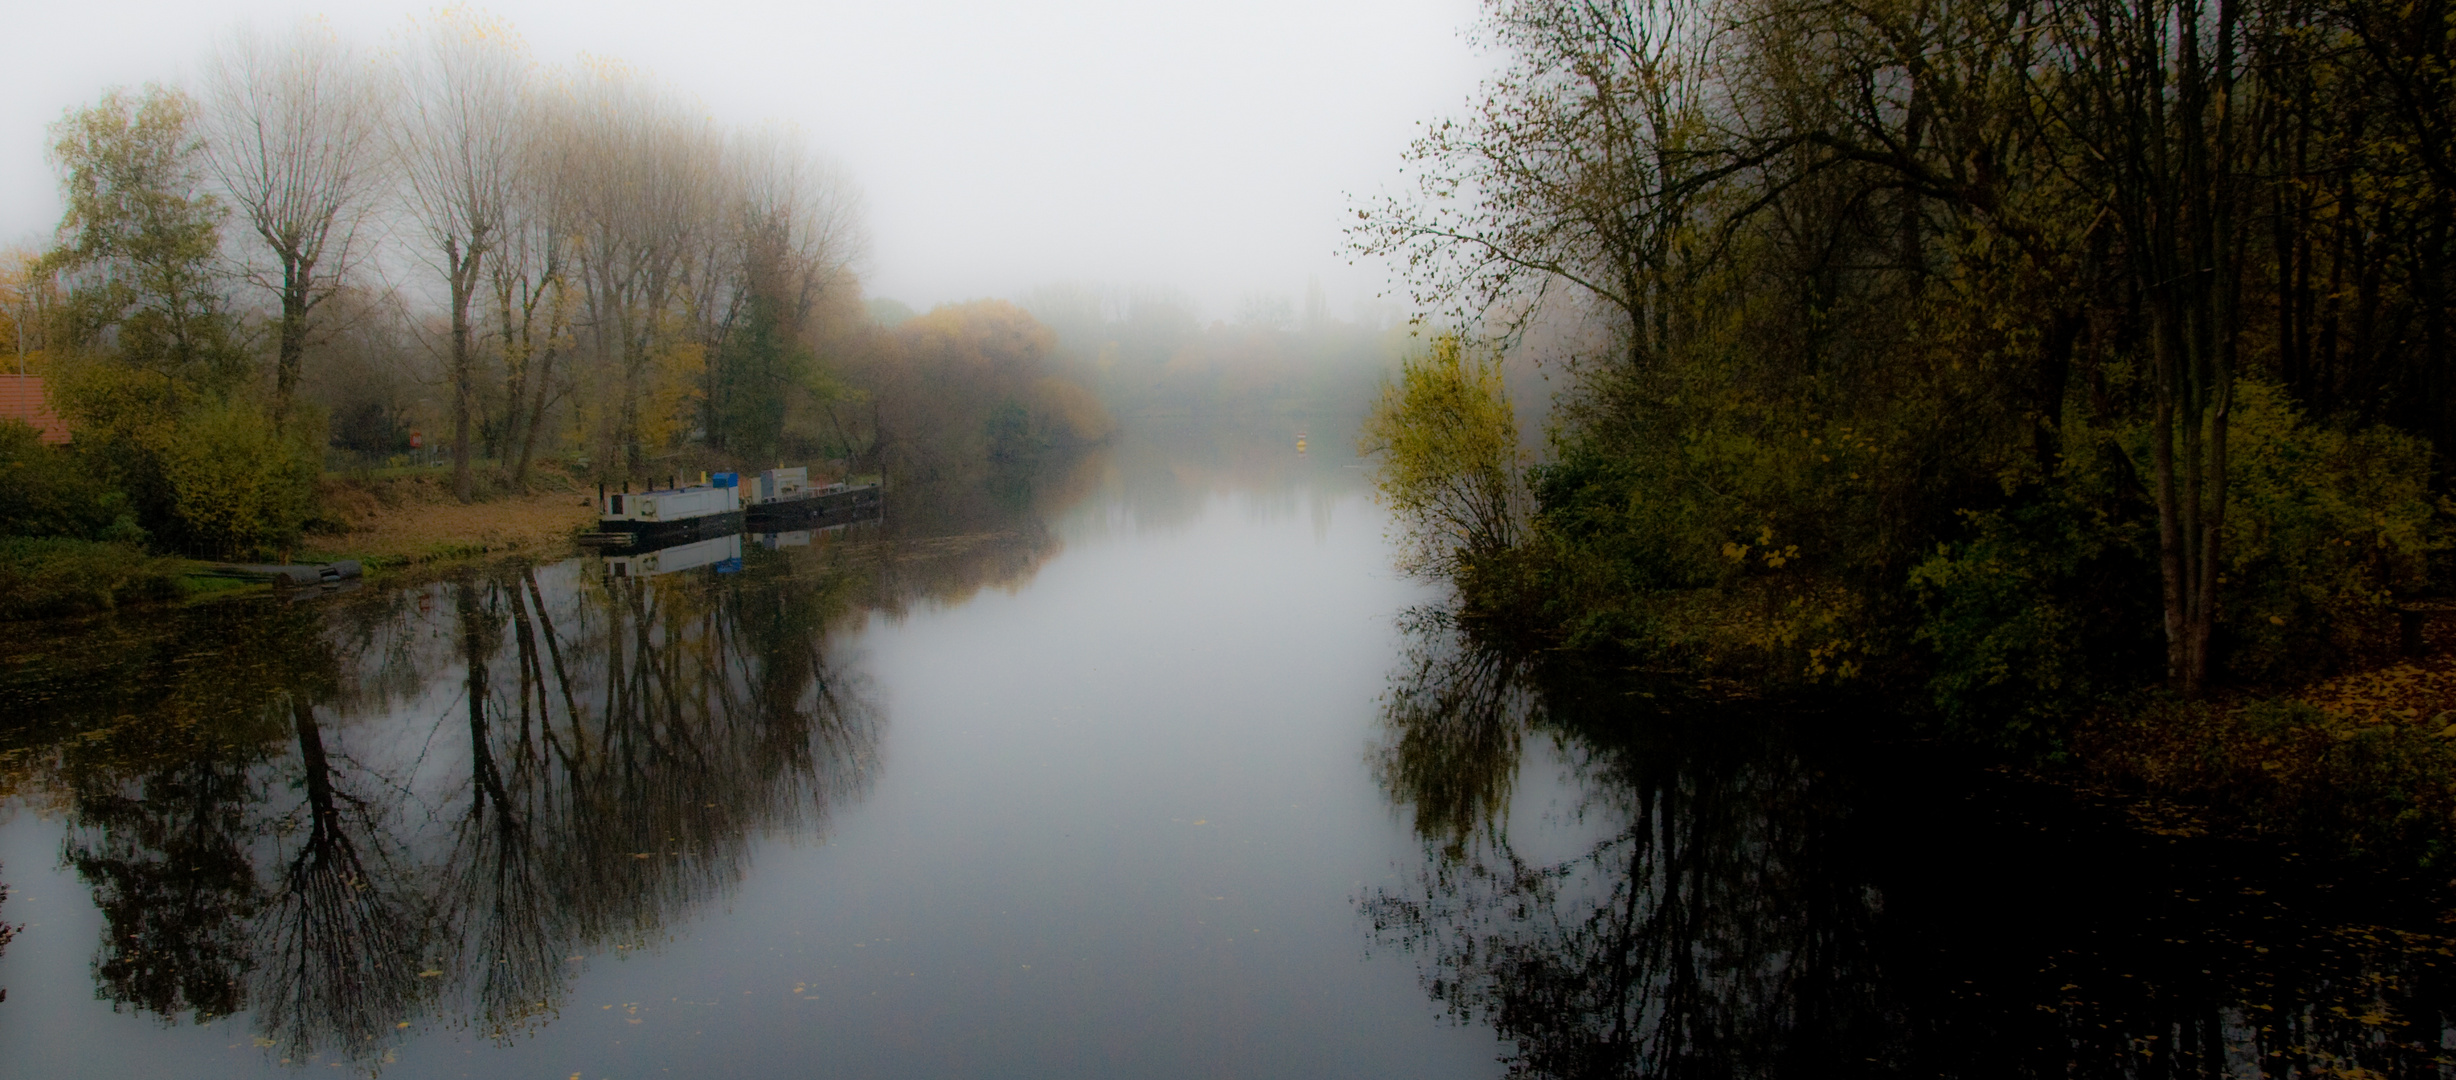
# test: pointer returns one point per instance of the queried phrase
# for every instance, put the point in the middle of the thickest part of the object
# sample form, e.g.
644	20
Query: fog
1211	149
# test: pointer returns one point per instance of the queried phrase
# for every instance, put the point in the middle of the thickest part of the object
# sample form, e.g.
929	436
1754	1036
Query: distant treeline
1148	353
2012	354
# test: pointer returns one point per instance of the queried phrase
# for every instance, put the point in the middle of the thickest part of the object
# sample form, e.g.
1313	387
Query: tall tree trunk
516	349
464	365
542	379
2170	92
293	343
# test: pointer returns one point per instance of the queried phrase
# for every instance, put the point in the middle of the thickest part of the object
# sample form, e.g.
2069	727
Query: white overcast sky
1212	147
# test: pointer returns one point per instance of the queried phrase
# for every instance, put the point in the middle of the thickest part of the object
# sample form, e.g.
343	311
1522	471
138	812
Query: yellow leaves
2409	692
1774	558
672	400
1444	440
473	27
25	292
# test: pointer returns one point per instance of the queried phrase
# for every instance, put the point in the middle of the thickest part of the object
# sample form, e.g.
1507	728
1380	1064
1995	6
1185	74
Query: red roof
22	398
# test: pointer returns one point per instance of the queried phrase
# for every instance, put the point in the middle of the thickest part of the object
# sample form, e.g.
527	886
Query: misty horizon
1213	154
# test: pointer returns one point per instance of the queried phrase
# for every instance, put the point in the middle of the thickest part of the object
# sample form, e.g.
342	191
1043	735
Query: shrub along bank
1795	558
49	575
68	544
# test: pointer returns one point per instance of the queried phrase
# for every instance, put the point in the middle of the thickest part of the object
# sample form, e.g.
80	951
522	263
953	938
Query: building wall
22	397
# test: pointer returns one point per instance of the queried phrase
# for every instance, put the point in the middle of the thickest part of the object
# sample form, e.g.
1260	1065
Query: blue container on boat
725	479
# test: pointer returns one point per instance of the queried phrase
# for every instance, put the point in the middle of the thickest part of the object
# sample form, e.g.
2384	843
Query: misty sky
1207	146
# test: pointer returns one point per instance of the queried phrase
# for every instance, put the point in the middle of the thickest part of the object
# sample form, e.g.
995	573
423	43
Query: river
1143	763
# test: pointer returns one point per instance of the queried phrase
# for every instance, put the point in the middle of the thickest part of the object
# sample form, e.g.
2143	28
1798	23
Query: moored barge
782	500
667	516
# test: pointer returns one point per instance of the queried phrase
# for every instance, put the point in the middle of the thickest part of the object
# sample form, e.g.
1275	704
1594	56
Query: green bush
206	474
2046	607
237	485
47	576
1443	442
2324	527
46	491
2050	604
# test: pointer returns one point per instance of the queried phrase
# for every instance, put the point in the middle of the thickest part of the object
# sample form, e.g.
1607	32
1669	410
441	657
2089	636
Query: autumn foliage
969	383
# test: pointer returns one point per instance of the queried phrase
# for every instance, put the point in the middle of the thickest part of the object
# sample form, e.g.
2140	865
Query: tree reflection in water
354	817
620	769
338	942
170	819
429	803
1719	894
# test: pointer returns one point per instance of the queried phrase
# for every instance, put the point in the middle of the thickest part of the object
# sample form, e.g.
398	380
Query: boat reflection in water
722	553
1626	882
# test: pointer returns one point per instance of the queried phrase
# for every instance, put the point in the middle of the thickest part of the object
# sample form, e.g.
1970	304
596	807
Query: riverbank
43	576
2360	766
387	522
384	522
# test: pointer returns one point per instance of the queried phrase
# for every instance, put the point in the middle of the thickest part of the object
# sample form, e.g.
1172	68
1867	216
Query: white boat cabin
776	485
680	504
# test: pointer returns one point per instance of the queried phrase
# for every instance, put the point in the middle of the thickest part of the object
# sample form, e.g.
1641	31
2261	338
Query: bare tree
1592	153
788	230
643	191
293	134
458	144
795	210
531	279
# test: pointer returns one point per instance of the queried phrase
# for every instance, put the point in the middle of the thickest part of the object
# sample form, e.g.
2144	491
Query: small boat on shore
326	575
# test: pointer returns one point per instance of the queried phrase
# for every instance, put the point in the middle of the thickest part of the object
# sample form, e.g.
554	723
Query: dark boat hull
656	534
815	511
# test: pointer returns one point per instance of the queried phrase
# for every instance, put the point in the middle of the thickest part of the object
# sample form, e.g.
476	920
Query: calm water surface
1140	765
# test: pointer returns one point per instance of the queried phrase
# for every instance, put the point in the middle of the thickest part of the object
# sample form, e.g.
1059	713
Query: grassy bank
402	518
